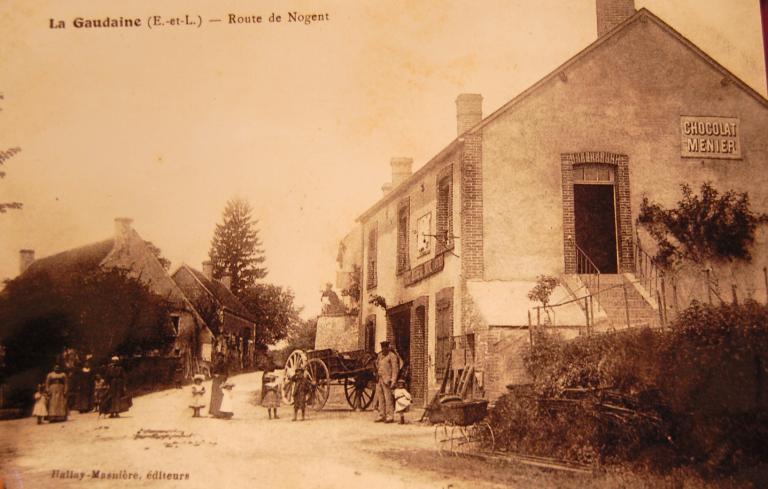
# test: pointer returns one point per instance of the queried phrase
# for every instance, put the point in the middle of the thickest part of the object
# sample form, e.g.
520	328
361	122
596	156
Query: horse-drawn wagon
354	370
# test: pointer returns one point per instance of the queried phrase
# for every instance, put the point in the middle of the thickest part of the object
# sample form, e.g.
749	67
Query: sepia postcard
384	244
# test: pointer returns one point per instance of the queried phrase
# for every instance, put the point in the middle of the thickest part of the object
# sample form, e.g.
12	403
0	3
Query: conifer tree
236	248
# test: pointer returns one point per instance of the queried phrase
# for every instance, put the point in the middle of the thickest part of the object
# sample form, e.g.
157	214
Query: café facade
551	184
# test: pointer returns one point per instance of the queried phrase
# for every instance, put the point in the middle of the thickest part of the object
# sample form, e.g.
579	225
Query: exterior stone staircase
611	299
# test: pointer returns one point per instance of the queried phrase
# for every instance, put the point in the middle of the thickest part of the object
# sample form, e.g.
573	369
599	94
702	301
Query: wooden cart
355	370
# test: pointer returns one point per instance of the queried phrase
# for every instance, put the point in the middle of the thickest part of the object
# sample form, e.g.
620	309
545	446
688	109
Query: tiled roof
83	258
222	295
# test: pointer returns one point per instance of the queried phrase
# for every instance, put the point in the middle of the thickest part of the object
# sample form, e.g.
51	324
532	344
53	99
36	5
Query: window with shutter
444	224
444	330
372	278
403	218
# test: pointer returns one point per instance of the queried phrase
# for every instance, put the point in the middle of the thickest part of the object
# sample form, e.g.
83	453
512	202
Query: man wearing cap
388	365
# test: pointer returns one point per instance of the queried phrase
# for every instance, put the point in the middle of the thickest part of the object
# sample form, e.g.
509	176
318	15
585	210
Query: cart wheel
477	438
487	437
320	378
296	359
442	441
359	391
456	439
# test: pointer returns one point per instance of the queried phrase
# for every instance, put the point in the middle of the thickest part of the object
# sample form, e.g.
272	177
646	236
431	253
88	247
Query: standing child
301	392
226	411
99	391
270	394
198	391
41	404
402	400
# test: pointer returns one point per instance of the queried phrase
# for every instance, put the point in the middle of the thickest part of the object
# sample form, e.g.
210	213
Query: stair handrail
585	266
647	270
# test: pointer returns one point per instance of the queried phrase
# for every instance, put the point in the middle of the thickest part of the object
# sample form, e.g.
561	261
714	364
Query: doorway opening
400	320
594	207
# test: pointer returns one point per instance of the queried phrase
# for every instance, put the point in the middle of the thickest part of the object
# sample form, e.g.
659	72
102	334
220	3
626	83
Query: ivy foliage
707	227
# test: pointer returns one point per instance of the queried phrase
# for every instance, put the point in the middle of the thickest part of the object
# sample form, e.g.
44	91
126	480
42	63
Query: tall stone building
551	184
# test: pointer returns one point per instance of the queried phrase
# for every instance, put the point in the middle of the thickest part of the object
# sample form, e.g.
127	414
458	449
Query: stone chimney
611	13
122	228
227	281
208	269
469	111
26	257
401	170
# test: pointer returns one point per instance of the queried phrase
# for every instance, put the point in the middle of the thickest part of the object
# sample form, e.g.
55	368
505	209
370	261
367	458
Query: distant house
129	252
232	325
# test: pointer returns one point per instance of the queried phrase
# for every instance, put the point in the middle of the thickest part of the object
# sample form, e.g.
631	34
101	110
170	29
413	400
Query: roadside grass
514	475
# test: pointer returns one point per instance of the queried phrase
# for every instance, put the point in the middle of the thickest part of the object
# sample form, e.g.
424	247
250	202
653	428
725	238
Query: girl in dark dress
301	392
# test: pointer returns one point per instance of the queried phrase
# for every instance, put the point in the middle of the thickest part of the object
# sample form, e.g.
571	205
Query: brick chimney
208	269
227	281
611	13
26	257
401	170
122	228
469	111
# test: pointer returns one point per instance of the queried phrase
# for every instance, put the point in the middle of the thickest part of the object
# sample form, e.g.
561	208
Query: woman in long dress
82	383
220	374
115	401
56	387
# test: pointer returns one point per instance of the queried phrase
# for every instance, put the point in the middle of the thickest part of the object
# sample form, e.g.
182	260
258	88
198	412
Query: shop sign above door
710	137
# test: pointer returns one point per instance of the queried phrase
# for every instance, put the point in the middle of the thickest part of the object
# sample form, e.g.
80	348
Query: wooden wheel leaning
320	380
296	359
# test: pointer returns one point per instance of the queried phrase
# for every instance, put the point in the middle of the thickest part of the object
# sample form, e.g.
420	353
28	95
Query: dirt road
333	448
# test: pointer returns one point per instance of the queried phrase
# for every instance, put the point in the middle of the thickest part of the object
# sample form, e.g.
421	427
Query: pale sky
165	125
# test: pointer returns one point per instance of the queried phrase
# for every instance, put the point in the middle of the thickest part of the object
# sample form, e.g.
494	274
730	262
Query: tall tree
236	248
274	310
6	155
164	262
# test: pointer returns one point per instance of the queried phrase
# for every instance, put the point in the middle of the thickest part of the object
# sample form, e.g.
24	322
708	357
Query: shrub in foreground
695	394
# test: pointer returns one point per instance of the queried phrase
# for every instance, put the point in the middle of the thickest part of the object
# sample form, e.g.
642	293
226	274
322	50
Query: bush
695	394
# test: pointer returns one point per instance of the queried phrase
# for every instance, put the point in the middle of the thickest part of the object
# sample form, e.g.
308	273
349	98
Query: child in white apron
402	400
41	404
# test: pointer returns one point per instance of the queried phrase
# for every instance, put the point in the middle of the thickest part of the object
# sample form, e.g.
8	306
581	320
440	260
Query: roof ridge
640	13
643	12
